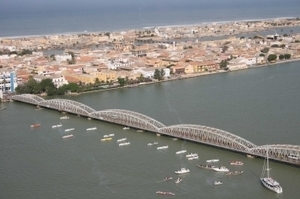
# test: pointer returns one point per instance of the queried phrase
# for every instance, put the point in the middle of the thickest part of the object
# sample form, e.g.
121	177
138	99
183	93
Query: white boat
267	181
182	171
121	140
221	169
91	129
218	183
150	144
126	128
213	160
191	155
237	163
154	143
71	129
105	136
111	135
57	125
124	143
163	147
178	180
64	117
194	158
181	151
68	136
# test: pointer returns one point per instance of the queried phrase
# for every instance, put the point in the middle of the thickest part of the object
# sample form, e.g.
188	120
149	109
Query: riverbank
188	76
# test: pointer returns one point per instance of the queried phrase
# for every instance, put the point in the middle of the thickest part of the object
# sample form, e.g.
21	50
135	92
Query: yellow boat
106	139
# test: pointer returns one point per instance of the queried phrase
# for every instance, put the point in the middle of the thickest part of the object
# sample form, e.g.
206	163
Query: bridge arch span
281	152
128	118
68	106
28	98
208	135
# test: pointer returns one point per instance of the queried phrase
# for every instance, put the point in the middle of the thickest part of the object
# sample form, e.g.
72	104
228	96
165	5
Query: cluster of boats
107	137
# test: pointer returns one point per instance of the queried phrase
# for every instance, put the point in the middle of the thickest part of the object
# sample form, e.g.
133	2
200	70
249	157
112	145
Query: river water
260	105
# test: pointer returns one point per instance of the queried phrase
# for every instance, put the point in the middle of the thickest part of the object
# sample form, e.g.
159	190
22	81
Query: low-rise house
58	80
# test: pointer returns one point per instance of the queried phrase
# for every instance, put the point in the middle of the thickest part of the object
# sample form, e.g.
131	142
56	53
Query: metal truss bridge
201	134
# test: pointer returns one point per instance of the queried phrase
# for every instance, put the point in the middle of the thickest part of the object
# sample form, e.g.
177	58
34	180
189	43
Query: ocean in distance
30	17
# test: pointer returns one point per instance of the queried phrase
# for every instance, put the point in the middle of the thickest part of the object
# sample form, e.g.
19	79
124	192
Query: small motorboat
182	171
237	163
56	126
68	136
106	139
218	182
35	125
126	128
121	140
165	193
178	180
205	166
213	160
168	178
221	169
191	155
150	144
111	135
233	173
70	129
124	143
181	151
194	158
163	147
64	117
91	129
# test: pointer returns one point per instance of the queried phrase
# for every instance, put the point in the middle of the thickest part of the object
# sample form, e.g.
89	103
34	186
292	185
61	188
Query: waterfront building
8	81
58	80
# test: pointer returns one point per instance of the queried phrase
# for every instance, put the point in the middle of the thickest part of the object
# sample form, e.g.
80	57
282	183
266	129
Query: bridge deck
202	134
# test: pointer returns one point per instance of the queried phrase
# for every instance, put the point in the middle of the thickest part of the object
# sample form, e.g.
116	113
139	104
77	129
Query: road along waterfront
259	105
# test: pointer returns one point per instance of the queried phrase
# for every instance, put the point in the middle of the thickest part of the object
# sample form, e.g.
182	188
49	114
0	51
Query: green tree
121	81
224	64
287	56
281	57
272	57
46	84
265	50
157	74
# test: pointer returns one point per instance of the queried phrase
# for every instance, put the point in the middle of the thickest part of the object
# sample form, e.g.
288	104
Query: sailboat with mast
267	181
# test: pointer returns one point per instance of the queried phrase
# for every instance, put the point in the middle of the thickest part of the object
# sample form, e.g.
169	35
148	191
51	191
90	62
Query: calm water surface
260	105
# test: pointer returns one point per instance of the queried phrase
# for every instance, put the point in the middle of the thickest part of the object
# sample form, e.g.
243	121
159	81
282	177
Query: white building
57	80
63	57
8	81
